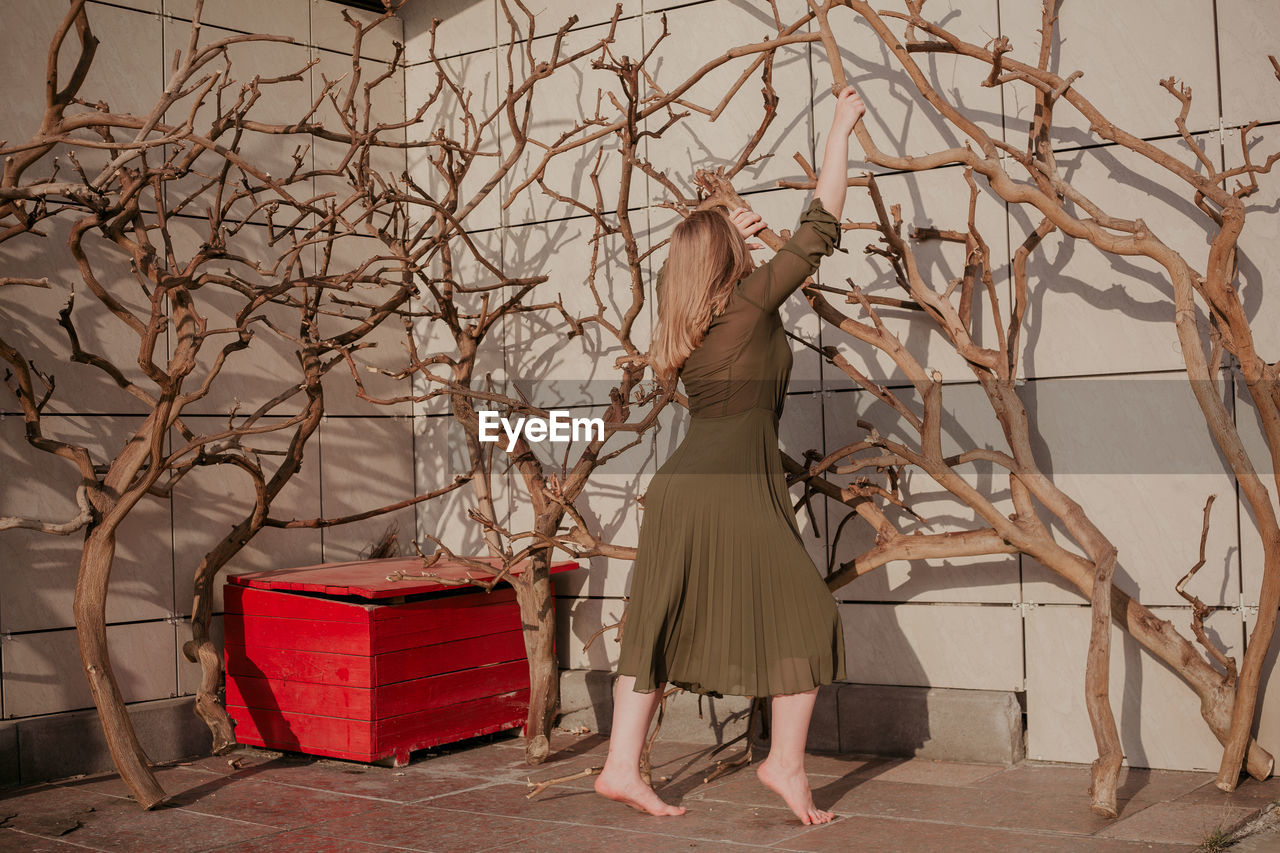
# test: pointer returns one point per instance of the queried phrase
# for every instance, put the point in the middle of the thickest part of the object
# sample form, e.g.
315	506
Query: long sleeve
817	236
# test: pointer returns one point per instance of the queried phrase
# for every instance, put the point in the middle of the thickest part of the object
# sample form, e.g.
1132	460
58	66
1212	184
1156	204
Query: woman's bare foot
793	787
634	792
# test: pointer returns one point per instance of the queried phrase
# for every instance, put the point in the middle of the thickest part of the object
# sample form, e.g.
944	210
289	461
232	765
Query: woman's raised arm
819	232
833	177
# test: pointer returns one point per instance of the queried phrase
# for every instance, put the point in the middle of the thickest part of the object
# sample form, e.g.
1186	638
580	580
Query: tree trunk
90	608
1239	738
1097	690
202	650
537	613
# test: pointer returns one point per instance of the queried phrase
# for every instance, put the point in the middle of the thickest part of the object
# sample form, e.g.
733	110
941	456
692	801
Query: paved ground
473	798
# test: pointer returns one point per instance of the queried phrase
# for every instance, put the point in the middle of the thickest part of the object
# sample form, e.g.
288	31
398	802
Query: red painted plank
294	665
304	634
350	739
271	695
264	602
444	626
447	657
368	578
250	601
408	697
446	725
350	638
364	671
303	732
392	700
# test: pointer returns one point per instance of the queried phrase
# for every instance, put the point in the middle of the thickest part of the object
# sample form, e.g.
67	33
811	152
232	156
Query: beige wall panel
789	10
137	5
933	645
566	99
209	502
40	569
127	72
576	620
1134	452
938	199
279	103
387	106
1248	31
1157	714
287	17
367	463
698	34
587	277
551	15
969	422
465	25
43	673
252	376
1124	50
330	30
389	354
477	76
468	268
33	328
1092	312
440	454
899	119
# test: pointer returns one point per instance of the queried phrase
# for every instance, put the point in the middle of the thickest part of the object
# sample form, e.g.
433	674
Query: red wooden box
337	660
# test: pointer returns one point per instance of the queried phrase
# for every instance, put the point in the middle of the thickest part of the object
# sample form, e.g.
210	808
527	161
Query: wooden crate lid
369	578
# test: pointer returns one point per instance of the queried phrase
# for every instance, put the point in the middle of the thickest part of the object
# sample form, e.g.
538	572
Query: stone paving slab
474	797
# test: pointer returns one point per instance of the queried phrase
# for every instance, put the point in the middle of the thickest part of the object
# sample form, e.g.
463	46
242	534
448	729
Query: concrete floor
473	797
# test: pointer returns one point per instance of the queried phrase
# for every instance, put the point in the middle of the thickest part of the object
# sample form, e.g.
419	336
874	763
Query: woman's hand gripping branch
748	223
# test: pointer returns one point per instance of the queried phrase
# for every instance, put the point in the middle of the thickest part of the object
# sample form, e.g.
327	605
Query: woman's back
744	360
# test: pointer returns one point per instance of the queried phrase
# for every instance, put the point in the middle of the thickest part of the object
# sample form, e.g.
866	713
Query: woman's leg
620	779
783	770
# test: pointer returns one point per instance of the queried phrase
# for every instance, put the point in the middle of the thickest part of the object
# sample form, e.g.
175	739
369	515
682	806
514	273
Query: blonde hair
706	258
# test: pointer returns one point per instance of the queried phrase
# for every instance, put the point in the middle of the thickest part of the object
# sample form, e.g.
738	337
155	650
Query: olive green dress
725	599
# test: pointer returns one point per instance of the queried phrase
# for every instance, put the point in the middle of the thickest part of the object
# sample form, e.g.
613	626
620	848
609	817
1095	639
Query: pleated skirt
725	599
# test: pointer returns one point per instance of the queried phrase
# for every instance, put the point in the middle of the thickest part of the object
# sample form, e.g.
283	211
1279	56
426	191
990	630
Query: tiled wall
995	623
1121	432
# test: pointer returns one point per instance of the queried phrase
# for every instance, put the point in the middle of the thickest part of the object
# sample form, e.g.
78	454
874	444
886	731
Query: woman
725	599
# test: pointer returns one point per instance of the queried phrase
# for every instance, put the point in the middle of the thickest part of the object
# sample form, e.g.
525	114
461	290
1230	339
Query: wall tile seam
172	619
26	718
204	26
506	44
124	7
903	385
